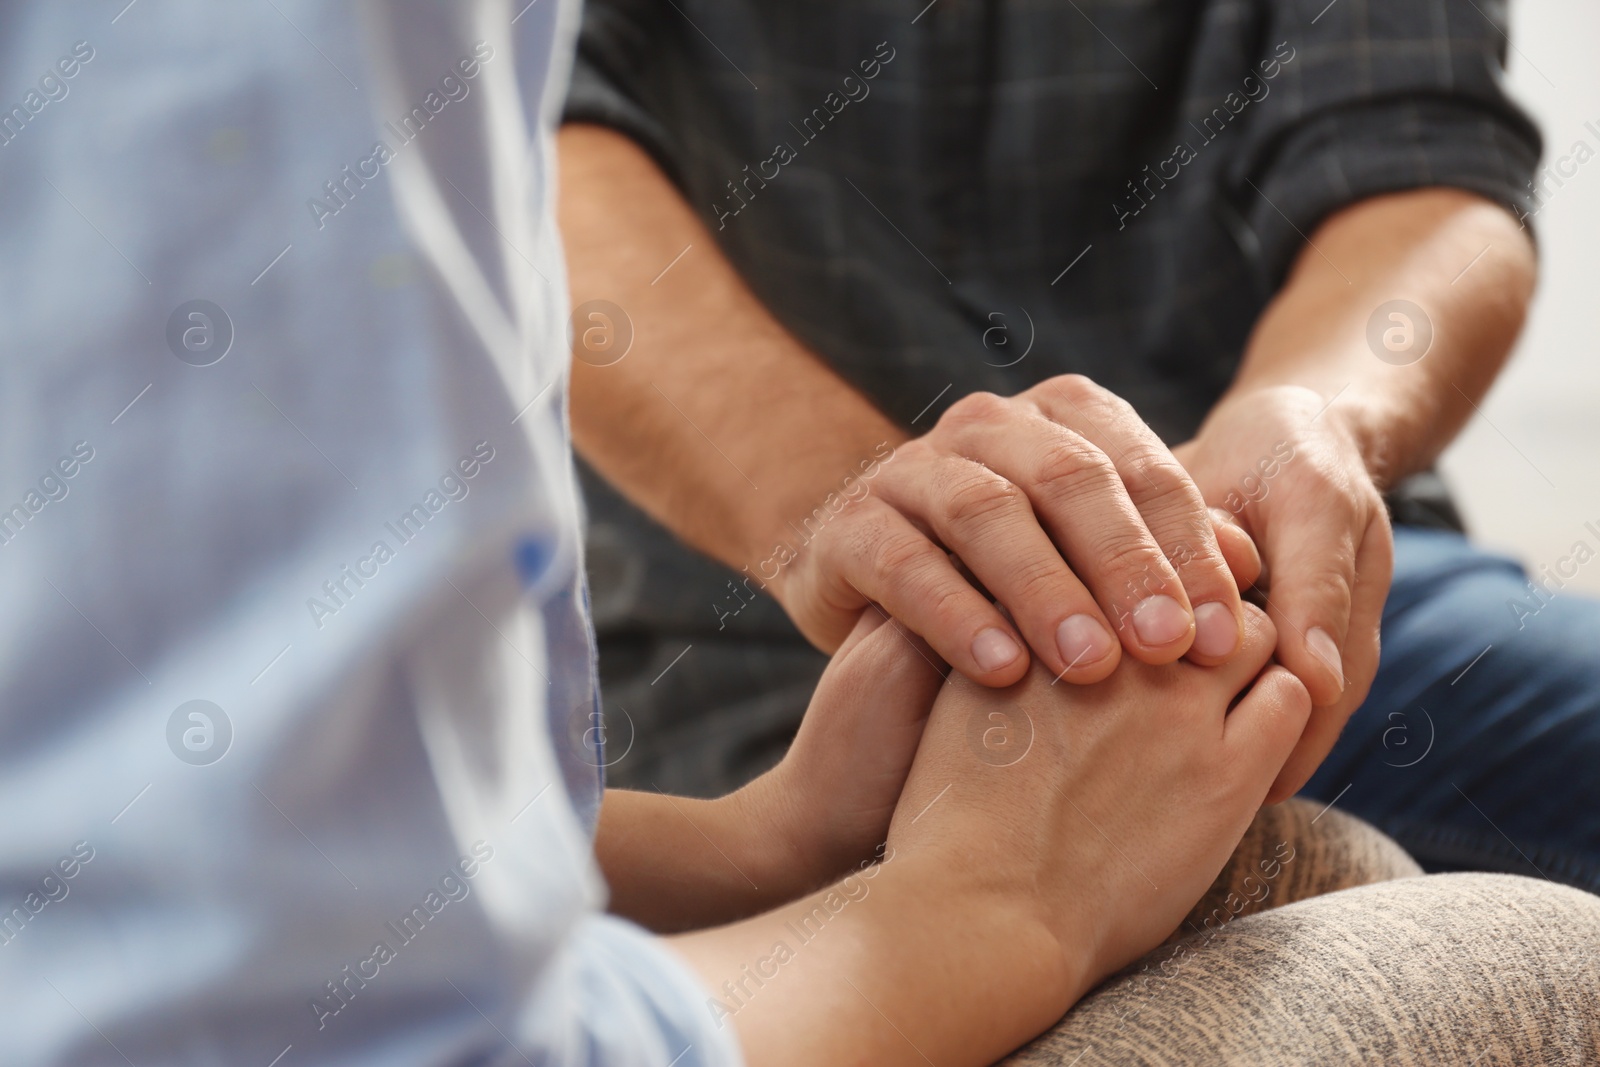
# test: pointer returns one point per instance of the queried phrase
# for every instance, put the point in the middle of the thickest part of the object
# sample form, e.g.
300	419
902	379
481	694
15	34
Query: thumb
882	676
882	662
868	621
1312	559
1238	550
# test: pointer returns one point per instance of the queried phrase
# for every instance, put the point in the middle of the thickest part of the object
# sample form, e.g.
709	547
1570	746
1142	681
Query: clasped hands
1134	767
1055	527
892	850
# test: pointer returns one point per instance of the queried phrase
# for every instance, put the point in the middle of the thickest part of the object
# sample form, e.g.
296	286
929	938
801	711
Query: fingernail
1216	632
1321	645
1160	620
1081	640
994	649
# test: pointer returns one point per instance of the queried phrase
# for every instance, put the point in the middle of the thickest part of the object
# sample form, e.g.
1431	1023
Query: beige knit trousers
1321	944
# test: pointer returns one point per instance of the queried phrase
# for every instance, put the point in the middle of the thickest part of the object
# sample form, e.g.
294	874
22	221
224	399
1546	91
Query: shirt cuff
593	96
616	996
1343	156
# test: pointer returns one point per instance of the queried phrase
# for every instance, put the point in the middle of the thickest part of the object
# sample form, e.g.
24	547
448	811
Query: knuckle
1260	634
860	537
1118	407
1079	388
1329	588
976	409
1330	483
1200	563
1071	470
948	602
1156	479
899	560
1138	570
978	498
1096	400
1037	582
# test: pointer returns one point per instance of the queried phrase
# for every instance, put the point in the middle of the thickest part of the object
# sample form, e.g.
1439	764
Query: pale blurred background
1541	424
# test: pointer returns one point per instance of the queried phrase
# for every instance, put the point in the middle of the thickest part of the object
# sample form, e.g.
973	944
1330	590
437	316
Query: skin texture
1057	500
1009	884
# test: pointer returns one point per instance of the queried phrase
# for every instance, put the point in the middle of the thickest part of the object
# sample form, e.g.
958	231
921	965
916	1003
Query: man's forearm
1461	259
710	370
727	430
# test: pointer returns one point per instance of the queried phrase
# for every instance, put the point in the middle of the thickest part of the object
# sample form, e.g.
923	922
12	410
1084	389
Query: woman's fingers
1238	549
1260	636
870	620
1264	727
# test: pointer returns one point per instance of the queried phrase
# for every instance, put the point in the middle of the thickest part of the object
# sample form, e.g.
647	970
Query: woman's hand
677	863
831	798
1109	808
1047	835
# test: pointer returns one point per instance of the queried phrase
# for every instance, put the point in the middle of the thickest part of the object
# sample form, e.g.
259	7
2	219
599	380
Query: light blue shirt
295	670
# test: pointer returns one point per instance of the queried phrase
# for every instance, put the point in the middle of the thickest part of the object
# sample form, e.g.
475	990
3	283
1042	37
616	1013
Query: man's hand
1061	502
1295	480
1065	507
1321	420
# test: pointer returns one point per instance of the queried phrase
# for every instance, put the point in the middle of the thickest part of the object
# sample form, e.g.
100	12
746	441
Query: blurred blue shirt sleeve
625	1001
296	673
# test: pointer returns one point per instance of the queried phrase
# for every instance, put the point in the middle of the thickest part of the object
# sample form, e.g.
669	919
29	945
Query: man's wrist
1400	406
1365	427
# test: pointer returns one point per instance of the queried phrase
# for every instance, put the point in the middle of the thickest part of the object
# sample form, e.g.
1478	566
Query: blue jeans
1479	746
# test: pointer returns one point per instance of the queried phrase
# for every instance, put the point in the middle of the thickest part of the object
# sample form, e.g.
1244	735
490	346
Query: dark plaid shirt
964	195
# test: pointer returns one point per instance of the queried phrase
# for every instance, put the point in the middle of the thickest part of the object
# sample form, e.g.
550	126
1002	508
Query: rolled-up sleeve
1377	98
610	71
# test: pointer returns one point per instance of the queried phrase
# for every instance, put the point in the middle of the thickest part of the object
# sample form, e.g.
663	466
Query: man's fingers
1098	571
1311	550
981	513
1167	500
887	560
1374	569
